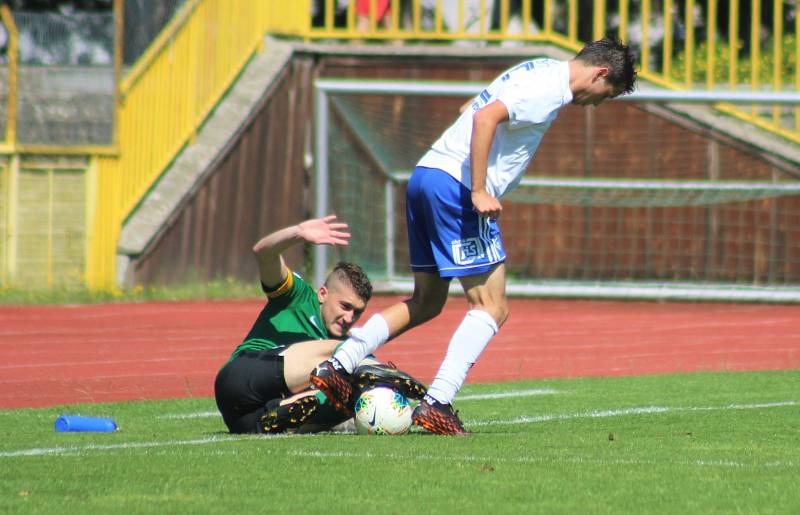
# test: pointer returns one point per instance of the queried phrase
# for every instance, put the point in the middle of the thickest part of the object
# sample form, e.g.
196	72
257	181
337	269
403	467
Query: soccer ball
382	411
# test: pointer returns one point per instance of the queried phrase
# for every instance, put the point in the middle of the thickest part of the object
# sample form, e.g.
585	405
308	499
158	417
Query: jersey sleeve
292	287
281	289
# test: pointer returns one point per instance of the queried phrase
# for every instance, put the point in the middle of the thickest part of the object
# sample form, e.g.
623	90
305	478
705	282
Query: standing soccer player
452	207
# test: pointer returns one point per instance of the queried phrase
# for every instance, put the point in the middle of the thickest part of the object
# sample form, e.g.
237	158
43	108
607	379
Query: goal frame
628	290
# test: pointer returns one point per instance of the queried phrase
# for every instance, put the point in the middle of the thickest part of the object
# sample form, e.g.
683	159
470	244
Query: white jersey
533	93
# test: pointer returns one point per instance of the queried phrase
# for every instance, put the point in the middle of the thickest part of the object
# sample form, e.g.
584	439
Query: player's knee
425	307
428	311
502	313
498	310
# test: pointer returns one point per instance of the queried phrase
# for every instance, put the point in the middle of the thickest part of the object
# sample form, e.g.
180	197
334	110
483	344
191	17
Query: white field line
181	416
73	450
626	411
363	455
504	395
473	397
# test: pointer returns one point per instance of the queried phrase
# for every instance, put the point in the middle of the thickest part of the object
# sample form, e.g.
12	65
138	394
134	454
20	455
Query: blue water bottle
74	423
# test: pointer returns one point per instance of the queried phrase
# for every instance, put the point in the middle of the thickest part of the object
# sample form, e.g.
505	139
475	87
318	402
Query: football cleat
438	418
289	416
370	376
331	378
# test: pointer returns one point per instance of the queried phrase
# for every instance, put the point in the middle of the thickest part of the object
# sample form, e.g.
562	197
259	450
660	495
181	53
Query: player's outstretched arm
319	231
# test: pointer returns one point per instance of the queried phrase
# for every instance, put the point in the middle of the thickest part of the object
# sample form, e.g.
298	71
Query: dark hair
619	58
353	275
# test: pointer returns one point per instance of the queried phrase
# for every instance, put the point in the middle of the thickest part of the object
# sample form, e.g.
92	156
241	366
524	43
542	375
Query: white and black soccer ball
382	411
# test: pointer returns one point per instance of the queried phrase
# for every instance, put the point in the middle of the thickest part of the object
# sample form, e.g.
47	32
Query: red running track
53	355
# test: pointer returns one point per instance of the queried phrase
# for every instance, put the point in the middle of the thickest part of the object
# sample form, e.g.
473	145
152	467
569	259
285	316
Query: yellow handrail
11	110
689	43
645	43
755	47
666	53
777	53
711	46
733	42
599	21
164	99
624	14
669	57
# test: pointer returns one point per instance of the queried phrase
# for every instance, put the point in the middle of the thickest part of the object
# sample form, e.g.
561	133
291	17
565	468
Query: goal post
656	231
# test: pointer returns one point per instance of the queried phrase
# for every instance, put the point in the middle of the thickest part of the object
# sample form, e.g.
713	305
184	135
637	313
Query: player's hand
486	205
324	231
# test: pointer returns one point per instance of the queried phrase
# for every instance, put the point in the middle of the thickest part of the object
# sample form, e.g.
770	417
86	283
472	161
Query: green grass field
198	290
698	443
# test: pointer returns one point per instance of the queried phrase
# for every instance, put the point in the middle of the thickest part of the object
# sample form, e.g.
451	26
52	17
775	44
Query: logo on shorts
466	251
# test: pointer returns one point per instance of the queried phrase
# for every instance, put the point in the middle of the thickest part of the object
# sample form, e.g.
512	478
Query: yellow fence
11	84
162	102
683	45
169	92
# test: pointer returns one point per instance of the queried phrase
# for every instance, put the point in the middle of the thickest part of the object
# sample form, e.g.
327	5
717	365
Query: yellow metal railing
286	17
163	100
671	50
161	103
174	86
11	100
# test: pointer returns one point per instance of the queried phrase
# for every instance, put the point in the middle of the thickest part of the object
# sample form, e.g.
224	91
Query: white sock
467	343
362	342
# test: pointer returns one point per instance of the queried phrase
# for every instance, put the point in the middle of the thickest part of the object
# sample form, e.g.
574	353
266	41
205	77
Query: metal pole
321	176
389	230
119	27
473	88
13	59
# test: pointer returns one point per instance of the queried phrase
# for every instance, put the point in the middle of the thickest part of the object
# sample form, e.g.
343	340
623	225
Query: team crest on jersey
466	251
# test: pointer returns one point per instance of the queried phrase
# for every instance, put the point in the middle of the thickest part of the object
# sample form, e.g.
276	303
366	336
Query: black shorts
246	385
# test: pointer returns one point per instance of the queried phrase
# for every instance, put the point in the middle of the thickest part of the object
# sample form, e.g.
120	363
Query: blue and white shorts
445	233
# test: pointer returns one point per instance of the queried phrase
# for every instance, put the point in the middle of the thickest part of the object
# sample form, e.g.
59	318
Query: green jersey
292	315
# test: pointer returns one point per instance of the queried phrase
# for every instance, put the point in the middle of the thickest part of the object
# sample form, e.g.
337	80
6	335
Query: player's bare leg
299	409
487	292
427	301
334	376
488	310
298	359
296	410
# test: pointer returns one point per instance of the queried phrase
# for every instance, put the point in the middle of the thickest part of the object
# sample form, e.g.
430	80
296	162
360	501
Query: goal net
619	202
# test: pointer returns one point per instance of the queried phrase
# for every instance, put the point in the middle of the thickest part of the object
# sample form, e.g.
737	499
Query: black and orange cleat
370	376
331	378
289	416
438	418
